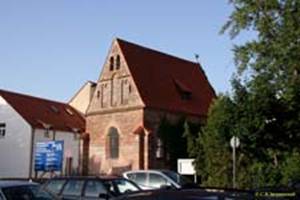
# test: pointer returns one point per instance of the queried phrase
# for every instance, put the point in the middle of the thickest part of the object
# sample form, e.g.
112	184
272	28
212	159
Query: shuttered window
2	130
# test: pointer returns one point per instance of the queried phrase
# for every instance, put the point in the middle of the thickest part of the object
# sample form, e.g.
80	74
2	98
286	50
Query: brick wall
115	103
126	123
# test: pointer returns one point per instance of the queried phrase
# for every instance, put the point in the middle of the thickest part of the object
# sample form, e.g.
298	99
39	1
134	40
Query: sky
50	48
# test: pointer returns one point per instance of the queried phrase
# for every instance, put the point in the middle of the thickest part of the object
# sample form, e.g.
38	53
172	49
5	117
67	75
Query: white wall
15	146
71	148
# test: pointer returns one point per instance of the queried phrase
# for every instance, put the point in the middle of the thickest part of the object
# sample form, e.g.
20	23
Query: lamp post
234	143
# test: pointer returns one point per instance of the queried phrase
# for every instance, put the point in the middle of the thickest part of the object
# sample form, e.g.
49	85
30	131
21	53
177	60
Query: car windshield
181	180
120	186
26	192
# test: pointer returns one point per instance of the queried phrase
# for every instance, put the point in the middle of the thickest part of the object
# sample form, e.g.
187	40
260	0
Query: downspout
79	168
31	152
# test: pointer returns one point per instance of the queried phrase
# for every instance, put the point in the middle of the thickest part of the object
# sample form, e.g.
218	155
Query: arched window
118	62
111	63
113	143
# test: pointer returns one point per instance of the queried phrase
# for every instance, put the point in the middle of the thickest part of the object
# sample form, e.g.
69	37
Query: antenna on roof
197	58
198	62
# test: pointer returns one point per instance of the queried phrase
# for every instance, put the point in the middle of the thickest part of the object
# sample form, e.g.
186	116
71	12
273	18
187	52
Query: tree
174	143
263	109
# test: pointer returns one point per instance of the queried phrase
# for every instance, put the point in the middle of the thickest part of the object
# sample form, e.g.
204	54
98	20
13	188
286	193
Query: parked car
156	179
90	187
187	194
23	190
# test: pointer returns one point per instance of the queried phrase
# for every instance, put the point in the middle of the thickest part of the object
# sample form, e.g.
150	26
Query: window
24	192
184	91
125	91
69	111
55	186
139	178
111	64
159	149
157	180
47	133
124	186
54	109
113	143
73	188
118	62
2	130
98	94
129	89
69	165
104	95
114	91
94	188
186	95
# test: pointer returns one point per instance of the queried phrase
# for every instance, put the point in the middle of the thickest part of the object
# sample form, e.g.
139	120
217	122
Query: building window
118	62
104	95
47	133
184	91
2	130
76	136
159	148
98	94
113	143
129	89
186	95
113	91
125	91
111	63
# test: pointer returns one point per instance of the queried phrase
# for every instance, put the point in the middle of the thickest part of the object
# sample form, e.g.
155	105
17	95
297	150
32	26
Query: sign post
234	143
186	167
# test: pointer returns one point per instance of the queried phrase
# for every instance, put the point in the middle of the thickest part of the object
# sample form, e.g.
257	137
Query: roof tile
42	113
154	74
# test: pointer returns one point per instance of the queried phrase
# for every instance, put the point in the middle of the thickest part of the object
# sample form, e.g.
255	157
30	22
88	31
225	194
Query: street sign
49	156
235	142
186	167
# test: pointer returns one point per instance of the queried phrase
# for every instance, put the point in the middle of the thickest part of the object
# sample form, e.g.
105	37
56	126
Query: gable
81	100
115	90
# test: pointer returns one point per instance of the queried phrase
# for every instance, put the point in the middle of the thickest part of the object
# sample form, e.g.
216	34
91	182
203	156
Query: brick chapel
138	87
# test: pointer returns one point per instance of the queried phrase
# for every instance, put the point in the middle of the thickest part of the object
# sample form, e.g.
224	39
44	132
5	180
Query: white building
26	120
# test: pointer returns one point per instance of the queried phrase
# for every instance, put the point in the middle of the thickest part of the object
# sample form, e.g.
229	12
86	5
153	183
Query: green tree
263	109
174	143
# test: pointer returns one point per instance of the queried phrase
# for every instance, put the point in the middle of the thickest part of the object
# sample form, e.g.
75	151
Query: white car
156	179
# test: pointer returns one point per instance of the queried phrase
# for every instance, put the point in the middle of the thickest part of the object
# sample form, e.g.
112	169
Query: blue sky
50	48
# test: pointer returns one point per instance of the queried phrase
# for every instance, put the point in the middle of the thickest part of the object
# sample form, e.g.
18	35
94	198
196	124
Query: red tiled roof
41	113
158	76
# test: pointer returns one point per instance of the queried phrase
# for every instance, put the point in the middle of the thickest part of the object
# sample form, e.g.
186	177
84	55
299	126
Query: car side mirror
103	196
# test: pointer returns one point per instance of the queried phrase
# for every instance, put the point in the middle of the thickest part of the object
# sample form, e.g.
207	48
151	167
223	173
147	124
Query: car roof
12	183
88	177
148	170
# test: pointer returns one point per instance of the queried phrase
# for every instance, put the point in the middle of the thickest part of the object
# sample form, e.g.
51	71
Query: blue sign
49	156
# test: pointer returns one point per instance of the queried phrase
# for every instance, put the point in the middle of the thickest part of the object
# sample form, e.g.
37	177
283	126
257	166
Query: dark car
23	190
186	194
156	179
90	187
